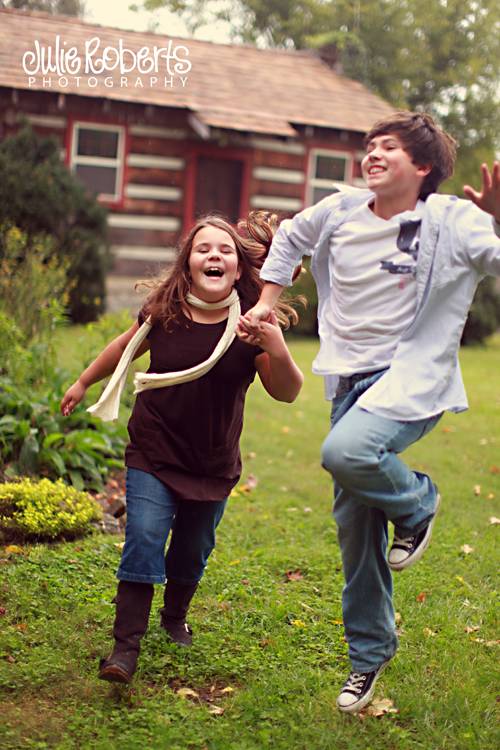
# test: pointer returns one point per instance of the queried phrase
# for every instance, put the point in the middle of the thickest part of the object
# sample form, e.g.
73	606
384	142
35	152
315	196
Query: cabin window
325	169
97	158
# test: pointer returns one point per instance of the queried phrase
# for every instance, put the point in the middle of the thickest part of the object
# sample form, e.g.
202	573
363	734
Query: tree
442	56
54	7
40	196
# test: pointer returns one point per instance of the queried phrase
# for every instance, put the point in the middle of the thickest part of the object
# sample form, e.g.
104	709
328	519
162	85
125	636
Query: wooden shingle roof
229	86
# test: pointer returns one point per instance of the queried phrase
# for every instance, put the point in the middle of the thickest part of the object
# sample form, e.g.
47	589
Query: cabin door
218	187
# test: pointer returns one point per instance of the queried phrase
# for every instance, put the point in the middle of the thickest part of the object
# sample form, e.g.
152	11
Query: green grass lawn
269	656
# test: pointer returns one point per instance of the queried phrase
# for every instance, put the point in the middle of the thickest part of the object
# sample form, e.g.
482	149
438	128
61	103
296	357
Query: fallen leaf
252	481
10	659
13	549
216	710
484	441
227	689
466	549
298	624
187	693
285	430
397	618
337	622
471	628
490	496
449	429
421	597
494	520
3	611
294	575
234	493
307	510
379	707
235	562
252	454
245	581
477	489
119	545
429	633
492	643
494	469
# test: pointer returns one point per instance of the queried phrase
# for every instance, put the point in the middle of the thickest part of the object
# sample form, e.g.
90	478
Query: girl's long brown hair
252	239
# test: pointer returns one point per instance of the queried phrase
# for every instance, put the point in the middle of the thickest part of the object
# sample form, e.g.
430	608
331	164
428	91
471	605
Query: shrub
39	195
45	510
35	438
484	316
33	298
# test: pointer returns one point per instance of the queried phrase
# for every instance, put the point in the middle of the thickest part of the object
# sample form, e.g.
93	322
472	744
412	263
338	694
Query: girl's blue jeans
371	487
152	513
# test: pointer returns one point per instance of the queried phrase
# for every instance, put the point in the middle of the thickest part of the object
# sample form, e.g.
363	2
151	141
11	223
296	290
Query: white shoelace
355	682
108	405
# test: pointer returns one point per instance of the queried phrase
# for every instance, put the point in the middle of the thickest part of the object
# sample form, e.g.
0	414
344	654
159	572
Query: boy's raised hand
489	198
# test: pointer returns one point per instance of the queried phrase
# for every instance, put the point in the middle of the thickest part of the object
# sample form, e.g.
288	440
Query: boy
396	267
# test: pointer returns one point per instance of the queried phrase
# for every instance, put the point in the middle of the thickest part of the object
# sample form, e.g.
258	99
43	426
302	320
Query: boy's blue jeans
152	512
371	486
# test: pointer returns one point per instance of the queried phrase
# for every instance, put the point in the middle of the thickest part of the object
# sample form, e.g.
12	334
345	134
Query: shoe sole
354	708
423	546
114	673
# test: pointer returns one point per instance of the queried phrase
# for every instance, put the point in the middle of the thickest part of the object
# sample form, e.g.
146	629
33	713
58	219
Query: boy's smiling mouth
376	169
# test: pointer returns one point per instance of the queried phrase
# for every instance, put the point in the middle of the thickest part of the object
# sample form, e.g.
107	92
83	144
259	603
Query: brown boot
133	604
177	598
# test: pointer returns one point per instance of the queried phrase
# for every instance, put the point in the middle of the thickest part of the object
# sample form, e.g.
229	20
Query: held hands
72	397
489	198
267	334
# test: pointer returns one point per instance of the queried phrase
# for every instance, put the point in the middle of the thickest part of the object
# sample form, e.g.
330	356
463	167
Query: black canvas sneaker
358	690
408	550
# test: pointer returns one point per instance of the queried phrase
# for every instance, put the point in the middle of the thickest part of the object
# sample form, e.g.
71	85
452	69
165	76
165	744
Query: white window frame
100	161
317	182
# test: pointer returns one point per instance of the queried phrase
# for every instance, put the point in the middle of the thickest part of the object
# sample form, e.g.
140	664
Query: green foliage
33	297
484	315
40	196
45	510
308	316
35	438
57	7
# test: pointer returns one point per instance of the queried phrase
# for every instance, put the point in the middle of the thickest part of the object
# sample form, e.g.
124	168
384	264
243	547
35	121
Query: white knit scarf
108	405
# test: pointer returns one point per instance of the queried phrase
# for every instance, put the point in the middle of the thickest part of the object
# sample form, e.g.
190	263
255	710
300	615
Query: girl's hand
268	336
72	397
251	321
489	198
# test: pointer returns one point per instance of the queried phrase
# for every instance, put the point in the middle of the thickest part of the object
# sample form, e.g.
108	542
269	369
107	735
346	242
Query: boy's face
388	169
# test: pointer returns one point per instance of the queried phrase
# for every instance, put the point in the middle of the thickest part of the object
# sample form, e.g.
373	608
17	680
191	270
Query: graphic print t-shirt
373	300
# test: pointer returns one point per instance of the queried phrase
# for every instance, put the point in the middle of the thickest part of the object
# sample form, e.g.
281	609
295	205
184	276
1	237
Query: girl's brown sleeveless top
187	435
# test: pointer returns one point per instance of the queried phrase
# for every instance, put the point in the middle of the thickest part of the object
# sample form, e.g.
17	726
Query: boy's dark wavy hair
252	238
424	141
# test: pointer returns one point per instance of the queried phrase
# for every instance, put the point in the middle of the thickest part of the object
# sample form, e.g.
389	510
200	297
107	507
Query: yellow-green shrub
45	510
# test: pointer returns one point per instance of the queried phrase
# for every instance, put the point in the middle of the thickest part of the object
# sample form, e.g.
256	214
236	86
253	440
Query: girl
183	458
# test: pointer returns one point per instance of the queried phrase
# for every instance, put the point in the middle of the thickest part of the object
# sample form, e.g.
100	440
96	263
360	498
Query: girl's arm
102	366
277	370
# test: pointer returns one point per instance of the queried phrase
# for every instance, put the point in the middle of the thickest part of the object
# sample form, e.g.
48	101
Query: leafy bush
45	510
40	196
33	298
484	316
36	439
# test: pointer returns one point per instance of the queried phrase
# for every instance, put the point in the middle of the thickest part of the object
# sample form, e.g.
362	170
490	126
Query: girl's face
213	264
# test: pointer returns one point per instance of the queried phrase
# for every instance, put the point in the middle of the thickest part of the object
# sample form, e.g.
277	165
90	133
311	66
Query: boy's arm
489	198
295	237
480	244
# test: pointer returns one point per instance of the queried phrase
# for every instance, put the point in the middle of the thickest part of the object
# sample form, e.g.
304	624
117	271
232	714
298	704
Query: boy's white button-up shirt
459	245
